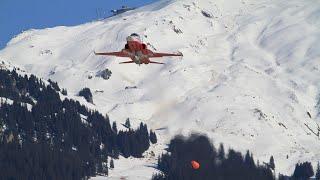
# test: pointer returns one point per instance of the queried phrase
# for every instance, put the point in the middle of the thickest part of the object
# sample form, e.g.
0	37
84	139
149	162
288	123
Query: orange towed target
195	165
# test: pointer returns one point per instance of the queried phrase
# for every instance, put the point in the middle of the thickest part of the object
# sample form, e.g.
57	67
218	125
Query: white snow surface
248	77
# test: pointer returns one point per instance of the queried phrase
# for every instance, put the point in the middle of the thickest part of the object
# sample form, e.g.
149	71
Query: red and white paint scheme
137	51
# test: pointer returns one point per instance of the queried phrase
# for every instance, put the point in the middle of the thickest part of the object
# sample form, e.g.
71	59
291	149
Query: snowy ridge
249	78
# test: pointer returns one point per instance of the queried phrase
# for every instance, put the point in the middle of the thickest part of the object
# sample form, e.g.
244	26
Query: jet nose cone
129	38
133	38
135	34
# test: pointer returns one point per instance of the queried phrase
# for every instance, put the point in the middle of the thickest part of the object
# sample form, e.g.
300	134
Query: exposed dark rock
105	74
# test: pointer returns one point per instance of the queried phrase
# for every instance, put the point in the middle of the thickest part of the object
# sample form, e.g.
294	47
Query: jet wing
119	54
155	55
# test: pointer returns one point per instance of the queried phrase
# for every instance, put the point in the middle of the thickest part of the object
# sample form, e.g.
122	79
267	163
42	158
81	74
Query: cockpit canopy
135	34
134	37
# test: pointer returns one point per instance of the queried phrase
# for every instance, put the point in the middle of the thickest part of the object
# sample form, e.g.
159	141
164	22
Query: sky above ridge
18	15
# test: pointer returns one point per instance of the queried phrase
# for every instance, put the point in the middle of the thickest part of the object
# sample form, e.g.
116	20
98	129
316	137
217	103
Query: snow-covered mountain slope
249	78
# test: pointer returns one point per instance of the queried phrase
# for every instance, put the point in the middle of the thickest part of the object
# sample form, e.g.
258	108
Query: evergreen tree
114	127
54	85
318	172
86	93
221	153
153	137
303	171
64	92
271	163
127	123
105	169
111	164
248	160
281	177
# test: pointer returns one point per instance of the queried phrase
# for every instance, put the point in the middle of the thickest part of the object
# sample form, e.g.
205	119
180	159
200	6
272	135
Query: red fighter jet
137	52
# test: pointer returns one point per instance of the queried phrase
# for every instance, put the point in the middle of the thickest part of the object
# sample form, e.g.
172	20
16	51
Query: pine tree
54	85
86	93
303	171
127	123
111	164
105	166
282	177
221	153
153	137
64	92
318	172
248	159
114	127
271	163
308	169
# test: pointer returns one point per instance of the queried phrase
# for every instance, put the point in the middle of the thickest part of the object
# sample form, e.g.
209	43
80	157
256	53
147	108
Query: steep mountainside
249	77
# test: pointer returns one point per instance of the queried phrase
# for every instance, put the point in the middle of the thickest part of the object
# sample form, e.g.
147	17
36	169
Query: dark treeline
44	137
218	165
128	140
302	171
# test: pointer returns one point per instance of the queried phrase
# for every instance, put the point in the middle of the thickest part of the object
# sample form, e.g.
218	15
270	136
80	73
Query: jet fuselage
137	50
